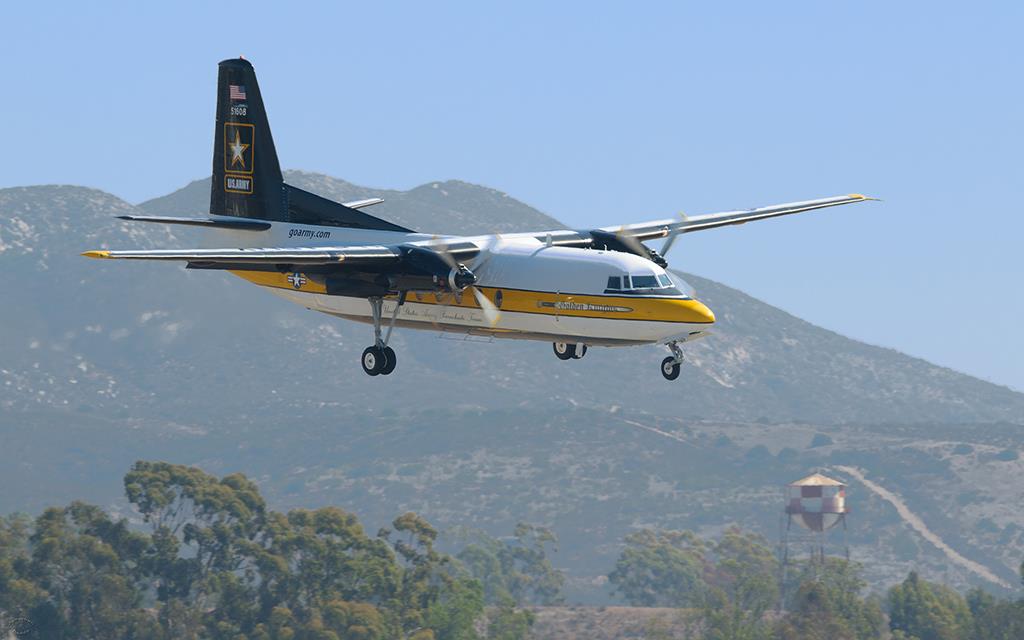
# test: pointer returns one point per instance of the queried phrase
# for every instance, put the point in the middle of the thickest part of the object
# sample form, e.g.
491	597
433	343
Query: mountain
102	363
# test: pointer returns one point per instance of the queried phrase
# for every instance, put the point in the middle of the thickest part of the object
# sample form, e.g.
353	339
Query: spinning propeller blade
672	236
490	311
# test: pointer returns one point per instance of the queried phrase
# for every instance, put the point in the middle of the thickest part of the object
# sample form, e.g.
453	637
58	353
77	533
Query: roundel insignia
297	280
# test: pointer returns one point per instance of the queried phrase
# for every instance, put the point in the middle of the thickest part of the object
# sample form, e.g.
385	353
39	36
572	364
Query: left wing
276	255
435	255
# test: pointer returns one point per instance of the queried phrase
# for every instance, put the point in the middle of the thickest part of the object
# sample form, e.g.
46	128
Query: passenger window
625	282
664	280
613	282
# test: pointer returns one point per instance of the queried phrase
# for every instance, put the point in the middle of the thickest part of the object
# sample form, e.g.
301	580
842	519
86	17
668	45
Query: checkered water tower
817	505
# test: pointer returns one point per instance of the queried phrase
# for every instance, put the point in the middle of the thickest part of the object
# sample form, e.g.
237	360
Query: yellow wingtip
861	196
96	254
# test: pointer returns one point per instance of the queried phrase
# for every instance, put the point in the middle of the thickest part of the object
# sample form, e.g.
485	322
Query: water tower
817	506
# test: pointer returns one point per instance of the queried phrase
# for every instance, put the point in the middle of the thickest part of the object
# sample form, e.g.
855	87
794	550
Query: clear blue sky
598	113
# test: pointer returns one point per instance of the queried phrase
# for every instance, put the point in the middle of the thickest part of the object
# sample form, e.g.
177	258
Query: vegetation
730	588
208	559
214	562
516	571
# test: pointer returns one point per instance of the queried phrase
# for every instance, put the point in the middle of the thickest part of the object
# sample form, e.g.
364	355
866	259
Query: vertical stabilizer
247	178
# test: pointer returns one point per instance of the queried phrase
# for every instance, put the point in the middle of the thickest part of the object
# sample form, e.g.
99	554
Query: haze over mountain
102	363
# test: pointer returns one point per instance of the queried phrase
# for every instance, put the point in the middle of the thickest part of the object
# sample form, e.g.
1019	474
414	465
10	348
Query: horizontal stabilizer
362	204
238	223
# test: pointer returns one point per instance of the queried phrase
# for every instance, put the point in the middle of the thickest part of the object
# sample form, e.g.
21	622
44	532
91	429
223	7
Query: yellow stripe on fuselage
277	280
609	307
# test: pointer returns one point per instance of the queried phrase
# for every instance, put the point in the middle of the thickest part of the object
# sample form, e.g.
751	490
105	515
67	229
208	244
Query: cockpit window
659	285
645	282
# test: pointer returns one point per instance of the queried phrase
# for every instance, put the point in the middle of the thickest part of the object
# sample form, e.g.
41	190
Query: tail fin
247	178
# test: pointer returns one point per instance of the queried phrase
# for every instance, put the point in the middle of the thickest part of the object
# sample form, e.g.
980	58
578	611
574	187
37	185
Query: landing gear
670	368
374	360
380	359
670	365
569	350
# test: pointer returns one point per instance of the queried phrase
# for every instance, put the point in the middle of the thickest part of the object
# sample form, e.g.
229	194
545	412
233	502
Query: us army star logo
238	151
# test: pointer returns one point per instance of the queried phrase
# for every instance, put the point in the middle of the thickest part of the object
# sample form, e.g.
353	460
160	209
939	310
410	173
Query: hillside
104	363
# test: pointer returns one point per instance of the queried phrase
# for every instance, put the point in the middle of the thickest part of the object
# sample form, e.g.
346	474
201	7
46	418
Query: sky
597	114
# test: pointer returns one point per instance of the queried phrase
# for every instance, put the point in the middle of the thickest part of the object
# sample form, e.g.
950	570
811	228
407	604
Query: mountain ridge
767	363
104	362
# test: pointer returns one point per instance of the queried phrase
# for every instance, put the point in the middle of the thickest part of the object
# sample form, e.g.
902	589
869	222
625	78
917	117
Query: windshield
659	284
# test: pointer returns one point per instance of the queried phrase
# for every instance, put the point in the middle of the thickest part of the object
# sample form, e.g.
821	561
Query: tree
928	611
842	580
722	618
746	569
661	568
506	622
518	571
216	563
995	619
814	617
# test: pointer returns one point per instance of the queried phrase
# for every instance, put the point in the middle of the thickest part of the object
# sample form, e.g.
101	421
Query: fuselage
543	292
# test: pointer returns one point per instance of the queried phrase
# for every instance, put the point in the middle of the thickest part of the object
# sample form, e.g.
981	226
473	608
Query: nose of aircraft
703	311
691	311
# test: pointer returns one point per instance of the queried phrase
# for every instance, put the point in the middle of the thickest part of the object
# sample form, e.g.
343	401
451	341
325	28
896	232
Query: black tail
246	175
247	180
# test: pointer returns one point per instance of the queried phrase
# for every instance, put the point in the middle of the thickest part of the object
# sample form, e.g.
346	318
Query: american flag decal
236	91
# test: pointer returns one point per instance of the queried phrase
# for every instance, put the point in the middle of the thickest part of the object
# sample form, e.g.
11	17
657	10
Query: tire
580	351
390	360
670	368
564	350
373	361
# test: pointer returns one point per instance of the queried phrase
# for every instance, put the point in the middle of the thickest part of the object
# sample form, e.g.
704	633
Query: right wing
663	228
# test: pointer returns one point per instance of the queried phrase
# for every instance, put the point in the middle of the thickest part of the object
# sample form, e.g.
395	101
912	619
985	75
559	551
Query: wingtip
861	196
96	254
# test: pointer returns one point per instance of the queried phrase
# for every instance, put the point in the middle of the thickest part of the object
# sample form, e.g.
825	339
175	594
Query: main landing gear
380	360
670	365
569	350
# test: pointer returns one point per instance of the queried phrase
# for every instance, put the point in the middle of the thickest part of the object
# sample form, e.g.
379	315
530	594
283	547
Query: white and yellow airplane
574	288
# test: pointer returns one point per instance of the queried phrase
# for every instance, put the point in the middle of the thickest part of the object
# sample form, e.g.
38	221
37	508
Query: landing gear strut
569	350
670	365
380	359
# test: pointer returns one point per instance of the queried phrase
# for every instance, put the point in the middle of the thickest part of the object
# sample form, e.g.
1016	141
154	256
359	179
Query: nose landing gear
569	350
670	365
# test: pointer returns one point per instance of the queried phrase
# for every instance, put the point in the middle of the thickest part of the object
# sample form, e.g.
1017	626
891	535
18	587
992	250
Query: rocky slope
105	363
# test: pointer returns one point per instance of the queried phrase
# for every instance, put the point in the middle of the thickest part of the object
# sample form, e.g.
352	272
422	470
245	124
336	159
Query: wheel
564	350
580	351
389	361
670	368
373	361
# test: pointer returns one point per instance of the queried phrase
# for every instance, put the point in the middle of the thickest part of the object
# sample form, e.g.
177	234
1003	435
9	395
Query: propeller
461	278
630	241
672	235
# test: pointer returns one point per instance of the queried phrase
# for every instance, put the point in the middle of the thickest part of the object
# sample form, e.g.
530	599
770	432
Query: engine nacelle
460	278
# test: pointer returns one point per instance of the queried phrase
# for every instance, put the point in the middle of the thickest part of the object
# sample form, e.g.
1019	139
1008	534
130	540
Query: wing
275	255
447	250
663	228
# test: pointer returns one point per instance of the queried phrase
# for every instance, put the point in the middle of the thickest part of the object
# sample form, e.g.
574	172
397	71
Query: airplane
575	288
